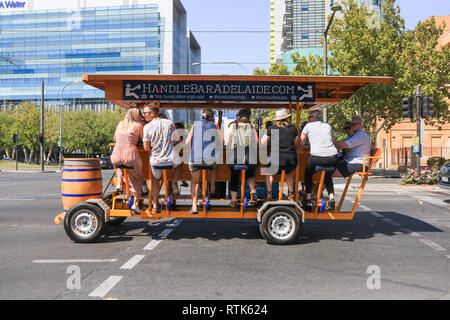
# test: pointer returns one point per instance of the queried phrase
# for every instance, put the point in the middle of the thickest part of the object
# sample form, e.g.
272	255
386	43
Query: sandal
233	205
291	196
193	211
269	196
253	199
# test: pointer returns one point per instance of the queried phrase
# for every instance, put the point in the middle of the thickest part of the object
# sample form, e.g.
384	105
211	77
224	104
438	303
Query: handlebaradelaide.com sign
218	90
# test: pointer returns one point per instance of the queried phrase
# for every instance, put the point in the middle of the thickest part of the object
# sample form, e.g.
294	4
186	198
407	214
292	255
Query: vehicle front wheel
84	222
280	225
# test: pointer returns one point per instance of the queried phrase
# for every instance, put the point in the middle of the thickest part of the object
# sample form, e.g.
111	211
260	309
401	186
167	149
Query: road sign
416	144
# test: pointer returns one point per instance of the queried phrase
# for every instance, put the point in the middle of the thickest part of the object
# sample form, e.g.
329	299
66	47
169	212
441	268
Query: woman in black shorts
288	140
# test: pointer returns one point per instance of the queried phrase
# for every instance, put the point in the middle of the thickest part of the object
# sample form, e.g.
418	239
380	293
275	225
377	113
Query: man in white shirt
160	137
357	147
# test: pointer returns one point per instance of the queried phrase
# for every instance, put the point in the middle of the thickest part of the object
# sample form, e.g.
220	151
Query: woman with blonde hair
125	152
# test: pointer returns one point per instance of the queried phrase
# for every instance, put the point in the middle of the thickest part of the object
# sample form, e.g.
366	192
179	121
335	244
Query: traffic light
15	138
408	107
427	106
41	138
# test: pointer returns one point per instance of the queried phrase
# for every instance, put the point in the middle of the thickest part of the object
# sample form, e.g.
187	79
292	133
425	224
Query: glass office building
58	46
303	25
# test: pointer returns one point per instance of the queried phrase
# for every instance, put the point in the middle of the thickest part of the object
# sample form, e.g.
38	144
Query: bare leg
155	192
213	174
119	178
290	180
252	184
269	182
176	174
195	184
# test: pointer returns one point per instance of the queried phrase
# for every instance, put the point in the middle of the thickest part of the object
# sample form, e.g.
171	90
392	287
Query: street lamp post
230	62
325	51
60	122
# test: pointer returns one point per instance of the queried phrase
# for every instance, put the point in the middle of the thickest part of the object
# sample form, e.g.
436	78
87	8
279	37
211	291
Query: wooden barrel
81	180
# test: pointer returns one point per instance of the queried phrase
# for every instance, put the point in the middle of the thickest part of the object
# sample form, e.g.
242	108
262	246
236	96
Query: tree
310	66
89	131
27	125
362	47
6	132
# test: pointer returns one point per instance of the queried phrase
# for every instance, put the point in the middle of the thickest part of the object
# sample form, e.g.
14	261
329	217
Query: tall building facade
57	45
299	25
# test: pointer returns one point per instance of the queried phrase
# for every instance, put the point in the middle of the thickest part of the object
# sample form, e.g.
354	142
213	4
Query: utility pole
418	114
41	142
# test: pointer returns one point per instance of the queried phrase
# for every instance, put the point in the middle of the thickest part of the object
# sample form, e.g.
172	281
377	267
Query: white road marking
105	287
391	222
165	233
152	244
432	244
132	262
74	260
376	214
174	223
410	232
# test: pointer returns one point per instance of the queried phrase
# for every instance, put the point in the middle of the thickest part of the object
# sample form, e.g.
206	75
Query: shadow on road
364	226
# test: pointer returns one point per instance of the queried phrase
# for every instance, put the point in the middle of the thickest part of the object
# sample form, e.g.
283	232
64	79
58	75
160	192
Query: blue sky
239	30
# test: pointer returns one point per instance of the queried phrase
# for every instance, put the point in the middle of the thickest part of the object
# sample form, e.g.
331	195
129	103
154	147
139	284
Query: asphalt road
397	247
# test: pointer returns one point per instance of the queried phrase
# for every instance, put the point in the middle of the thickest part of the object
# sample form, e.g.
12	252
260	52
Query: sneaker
306	205
331	205
136	209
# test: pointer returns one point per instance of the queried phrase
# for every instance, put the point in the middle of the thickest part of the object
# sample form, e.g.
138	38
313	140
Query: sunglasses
347	128
355	124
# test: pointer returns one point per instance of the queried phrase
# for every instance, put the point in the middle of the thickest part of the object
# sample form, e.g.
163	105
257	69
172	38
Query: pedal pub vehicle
87	210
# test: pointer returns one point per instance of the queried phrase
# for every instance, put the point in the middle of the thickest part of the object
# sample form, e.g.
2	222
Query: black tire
84	222
280	225
113	221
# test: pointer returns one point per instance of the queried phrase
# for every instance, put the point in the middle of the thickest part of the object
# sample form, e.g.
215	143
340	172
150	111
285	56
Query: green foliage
27	124
361	47
6	130
310	66
82	130
435	162
89	131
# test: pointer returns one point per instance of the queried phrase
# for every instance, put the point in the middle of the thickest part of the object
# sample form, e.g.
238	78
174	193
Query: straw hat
281	114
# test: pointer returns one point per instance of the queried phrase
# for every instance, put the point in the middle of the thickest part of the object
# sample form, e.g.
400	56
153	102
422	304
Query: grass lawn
12	165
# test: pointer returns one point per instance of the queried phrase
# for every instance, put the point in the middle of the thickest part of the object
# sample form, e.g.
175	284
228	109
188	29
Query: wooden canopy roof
202	91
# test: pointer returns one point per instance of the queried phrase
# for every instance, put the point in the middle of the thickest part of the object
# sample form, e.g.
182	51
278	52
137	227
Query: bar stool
126	179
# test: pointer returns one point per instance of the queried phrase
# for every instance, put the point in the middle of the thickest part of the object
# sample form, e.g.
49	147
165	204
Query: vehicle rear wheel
84	222
280	225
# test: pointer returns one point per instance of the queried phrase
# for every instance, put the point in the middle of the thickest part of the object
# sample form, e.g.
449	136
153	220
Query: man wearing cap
357	146
288	140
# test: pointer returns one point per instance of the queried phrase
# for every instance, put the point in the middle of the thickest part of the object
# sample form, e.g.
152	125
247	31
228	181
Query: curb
27	171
